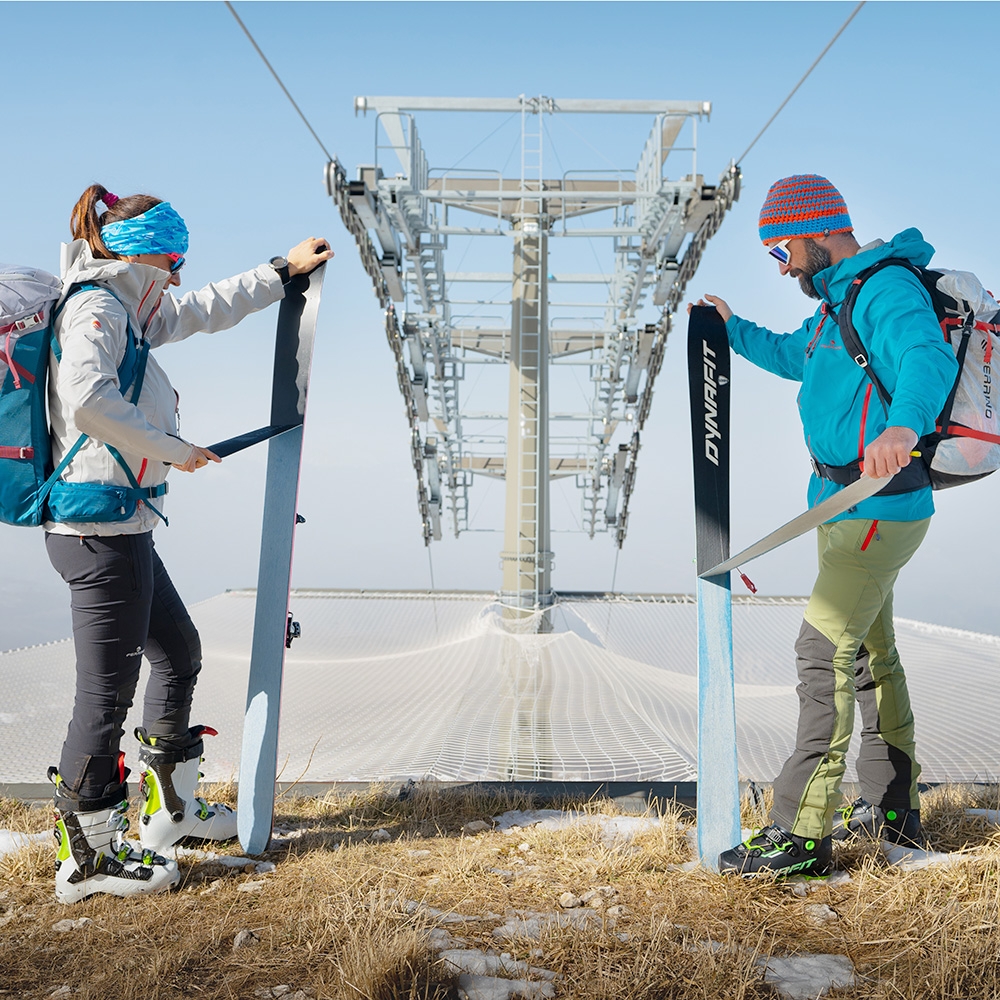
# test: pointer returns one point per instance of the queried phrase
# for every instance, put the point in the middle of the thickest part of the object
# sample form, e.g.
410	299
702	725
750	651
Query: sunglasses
176	262
780	251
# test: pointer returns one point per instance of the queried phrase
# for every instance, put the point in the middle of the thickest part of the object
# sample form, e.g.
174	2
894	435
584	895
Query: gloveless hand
889	452
198	459
720	304
307	255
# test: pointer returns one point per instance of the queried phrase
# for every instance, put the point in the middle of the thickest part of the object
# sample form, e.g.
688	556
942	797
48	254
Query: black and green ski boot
775	850
898	826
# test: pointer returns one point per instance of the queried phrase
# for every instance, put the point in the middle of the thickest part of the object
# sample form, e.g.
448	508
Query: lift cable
246	31
739	159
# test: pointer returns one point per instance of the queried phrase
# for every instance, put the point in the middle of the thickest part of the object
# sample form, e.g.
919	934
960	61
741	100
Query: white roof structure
436	686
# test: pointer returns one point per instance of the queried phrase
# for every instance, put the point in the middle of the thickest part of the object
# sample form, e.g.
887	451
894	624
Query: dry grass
333	918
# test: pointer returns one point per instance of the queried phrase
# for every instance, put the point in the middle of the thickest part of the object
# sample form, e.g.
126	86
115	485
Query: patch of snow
530	924
472	987
12	840
411	906
990	815
614	830
912	858
805	977
479	963
226	860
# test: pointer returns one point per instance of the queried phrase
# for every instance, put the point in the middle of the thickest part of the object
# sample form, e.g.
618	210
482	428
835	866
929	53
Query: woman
114	431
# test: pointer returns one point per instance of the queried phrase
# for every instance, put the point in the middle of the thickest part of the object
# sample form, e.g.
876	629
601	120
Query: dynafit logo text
712	434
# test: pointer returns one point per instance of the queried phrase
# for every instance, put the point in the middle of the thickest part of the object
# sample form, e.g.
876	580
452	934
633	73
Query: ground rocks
245	938
62	926
476	826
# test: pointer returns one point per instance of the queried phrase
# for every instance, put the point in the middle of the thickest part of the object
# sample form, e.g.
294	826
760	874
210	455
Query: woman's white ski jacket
84	394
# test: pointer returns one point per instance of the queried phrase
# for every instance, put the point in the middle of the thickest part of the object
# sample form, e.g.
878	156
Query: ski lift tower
402	214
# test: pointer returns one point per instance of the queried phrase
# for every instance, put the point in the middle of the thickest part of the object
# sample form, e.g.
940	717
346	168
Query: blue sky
171	99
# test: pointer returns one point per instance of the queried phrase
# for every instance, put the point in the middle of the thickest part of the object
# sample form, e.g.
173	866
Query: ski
234	444
273	629
848	497
718	782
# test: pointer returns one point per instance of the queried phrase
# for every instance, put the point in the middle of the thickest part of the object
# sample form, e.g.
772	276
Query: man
846	647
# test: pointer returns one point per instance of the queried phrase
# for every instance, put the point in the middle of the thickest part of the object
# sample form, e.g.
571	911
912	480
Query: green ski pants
846	650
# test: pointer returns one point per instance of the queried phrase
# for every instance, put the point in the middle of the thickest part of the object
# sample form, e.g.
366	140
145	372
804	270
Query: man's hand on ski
889	452
308	255
198	459
713	300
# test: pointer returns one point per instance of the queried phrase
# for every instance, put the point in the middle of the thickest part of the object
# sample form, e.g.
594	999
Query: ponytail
85	223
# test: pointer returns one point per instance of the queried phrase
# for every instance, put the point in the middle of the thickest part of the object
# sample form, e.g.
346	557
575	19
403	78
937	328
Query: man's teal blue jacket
840	410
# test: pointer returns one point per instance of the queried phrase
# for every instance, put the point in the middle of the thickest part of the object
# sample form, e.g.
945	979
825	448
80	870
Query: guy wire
829	45
246	32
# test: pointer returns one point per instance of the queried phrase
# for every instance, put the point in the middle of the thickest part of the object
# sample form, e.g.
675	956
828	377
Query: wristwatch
280	264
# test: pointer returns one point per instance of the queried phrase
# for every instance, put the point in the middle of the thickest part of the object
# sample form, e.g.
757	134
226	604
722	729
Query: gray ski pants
846	650
124	606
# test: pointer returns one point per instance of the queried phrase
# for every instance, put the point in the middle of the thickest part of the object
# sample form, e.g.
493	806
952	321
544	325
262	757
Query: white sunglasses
780	251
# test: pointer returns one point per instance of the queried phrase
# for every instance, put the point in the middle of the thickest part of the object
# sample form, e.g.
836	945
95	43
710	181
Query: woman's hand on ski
889	452
309	254
198	459
720	304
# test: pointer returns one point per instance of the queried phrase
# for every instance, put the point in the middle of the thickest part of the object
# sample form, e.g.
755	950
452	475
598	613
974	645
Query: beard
817	259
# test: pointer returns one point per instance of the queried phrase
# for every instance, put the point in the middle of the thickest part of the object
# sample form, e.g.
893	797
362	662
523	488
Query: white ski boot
170	810
93	856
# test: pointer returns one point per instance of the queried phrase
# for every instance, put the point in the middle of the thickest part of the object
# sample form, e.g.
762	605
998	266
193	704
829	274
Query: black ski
718	784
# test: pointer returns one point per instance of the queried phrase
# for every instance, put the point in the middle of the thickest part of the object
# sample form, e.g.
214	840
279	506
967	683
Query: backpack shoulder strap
129	369
845	320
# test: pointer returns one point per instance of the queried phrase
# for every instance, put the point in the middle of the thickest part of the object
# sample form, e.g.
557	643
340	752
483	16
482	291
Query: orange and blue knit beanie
803	206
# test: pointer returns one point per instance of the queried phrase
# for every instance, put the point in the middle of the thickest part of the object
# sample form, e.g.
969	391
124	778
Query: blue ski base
718	780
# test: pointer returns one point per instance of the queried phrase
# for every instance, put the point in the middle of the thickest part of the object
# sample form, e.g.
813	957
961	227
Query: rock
820	913
380	836
524	847
245	938
502	872
568	901
62	926
250	887
616	911
800	889
806	977
476	826
419	854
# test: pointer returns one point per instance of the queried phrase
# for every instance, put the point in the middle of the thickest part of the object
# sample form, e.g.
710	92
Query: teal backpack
31	490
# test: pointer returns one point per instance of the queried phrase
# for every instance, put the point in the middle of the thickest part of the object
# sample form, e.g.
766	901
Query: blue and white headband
160	230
